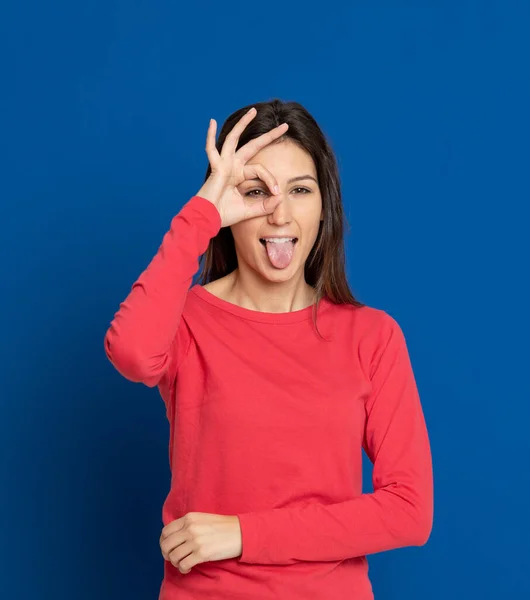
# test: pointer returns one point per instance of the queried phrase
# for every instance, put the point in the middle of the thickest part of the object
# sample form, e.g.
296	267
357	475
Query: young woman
274	379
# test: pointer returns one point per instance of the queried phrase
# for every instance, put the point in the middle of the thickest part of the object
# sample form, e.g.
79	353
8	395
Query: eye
249	193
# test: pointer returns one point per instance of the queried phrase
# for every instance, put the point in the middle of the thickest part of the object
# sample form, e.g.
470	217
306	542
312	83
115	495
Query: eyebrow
293	179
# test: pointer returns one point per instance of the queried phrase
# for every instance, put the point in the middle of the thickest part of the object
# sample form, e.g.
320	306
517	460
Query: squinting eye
250	192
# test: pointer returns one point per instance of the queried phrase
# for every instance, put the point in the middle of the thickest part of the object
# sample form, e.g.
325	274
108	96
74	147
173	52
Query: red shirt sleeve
144	339
398	513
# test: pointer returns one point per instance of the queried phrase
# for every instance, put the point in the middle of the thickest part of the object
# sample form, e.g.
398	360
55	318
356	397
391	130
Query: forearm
371	523
144	329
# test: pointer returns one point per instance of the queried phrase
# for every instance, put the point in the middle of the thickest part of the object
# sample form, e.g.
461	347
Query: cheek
311	231
245	235
309	220
307	209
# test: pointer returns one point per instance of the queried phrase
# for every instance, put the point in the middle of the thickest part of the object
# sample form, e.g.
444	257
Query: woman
274	378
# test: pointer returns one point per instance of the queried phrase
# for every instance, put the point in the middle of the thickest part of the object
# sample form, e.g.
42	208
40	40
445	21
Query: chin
275	275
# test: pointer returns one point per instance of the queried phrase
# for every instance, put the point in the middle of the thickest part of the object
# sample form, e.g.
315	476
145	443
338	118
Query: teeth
279	240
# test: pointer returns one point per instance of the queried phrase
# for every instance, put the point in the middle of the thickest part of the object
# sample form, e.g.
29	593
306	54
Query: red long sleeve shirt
267	421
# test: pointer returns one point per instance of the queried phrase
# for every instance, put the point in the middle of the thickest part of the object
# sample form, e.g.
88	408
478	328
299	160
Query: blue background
104	112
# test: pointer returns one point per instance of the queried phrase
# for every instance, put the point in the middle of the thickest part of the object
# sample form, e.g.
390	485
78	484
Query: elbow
419	528
420	534
130	363
411	522
416	505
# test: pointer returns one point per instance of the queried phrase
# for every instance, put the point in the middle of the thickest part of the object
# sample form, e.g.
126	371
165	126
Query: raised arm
142	339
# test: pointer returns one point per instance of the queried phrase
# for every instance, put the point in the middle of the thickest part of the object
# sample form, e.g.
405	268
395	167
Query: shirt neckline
255	315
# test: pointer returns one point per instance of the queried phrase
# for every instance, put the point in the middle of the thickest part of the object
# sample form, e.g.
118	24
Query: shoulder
374	332
368	321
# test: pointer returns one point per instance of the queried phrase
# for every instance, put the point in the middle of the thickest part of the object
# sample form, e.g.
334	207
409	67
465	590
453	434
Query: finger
211	150
262	206
171	543
247	151
186	557
179	553
250	171
172	527
230	143
185	565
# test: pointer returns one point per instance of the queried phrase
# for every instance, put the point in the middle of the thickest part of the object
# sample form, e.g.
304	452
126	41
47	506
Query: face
298	214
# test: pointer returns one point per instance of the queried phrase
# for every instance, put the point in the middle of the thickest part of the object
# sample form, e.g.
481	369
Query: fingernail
276	189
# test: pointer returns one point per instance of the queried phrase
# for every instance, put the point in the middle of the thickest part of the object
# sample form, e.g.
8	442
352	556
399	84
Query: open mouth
280	251
278	241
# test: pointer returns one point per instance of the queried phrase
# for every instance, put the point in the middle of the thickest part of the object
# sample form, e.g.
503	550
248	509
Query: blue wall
104	112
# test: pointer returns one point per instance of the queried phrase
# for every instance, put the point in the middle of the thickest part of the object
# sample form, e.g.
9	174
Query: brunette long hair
325	266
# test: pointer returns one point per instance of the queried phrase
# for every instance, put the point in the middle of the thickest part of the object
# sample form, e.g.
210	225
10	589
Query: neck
249	291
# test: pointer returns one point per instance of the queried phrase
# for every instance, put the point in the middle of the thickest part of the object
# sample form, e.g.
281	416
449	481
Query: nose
281	214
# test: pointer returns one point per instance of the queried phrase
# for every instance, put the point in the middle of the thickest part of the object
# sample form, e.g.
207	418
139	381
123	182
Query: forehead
285	158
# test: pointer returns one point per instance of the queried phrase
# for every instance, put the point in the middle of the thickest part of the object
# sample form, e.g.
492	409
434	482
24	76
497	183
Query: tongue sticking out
280	254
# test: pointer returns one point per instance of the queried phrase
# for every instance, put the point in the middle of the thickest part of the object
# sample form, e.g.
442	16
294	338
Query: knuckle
202	555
